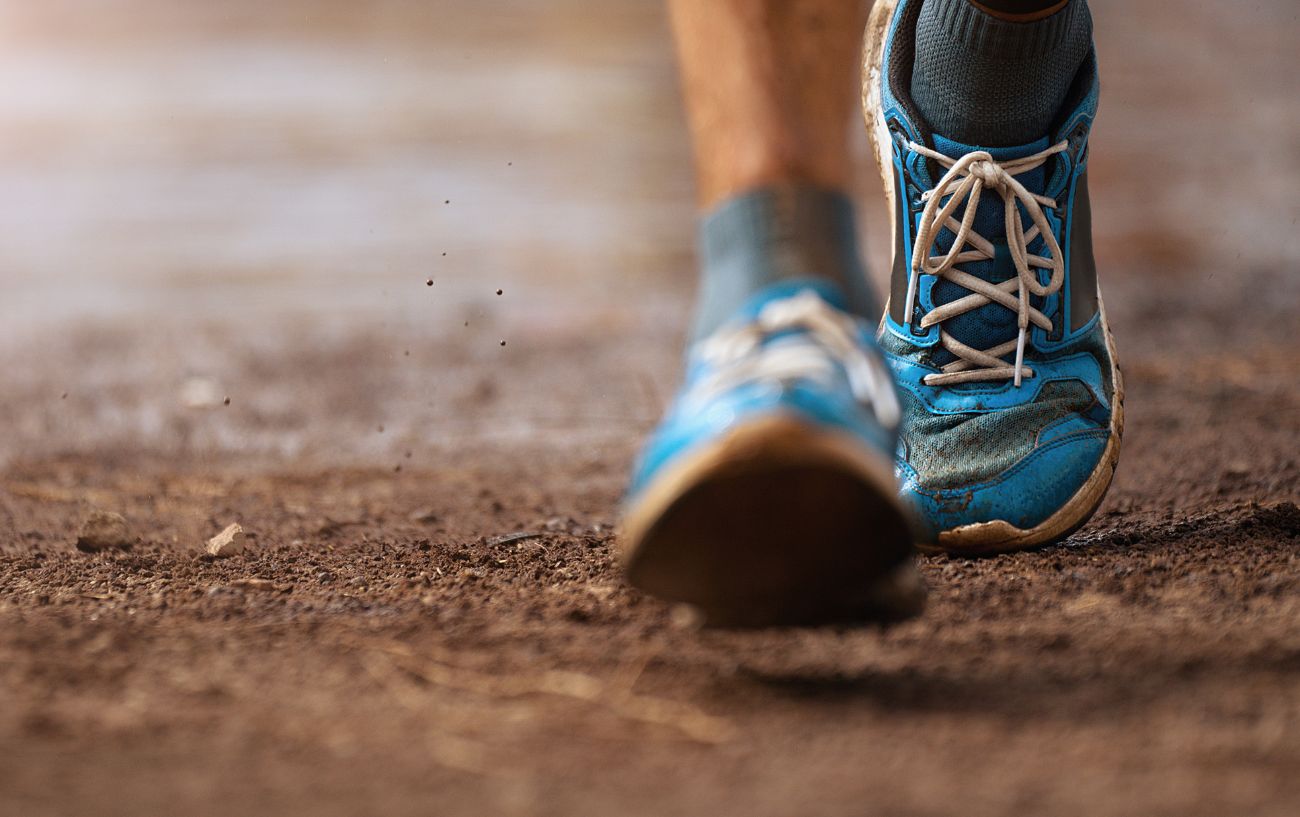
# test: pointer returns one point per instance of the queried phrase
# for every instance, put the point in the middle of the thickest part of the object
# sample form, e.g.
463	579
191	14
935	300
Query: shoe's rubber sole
997	535
776	523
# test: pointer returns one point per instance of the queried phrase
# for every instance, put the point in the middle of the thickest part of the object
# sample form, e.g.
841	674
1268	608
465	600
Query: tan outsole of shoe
995	536
776	524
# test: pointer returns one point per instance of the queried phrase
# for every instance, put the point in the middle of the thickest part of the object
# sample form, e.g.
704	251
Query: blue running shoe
767	495
1012	402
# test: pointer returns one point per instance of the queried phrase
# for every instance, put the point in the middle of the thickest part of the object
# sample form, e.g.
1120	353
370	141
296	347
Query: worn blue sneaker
767	494
1012	403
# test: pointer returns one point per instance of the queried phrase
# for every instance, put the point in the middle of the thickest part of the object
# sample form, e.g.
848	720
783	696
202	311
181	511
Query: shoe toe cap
1023	496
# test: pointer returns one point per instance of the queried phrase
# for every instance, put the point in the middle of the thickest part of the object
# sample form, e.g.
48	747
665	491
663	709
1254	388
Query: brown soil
428	618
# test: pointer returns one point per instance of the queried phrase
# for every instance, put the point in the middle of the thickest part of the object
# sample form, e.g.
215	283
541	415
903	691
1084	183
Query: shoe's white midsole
995	535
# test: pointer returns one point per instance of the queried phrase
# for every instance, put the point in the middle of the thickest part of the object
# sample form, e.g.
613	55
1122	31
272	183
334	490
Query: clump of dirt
103	530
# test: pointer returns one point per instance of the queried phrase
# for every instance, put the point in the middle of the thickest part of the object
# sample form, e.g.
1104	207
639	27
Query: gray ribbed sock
773	234
993	83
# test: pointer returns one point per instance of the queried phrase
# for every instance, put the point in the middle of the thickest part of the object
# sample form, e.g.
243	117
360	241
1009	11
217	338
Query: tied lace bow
823	336
967	178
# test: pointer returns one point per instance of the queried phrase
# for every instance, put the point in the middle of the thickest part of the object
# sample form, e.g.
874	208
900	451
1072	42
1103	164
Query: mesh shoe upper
951	450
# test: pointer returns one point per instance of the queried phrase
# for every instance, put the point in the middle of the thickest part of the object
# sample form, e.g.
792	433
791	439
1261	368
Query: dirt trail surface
245	201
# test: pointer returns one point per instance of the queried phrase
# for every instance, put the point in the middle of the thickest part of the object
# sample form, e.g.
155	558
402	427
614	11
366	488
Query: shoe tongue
991	324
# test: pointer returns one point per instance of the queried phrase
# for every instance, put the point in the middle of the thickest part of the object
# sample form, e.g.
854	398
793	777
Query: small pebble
428	282
498	292
227	543
103	530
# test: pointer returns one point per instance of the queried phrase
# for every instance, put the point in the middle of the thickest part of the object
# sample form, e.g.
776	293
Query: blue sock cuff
773	234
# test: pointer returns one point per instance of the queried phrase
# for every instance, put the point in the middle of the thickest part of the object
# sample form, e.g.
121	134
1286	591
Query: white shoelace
965	180
740	355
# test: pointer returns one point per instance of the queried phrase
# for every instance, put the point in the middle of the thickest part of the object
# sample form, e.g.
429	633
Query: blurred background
398	285
246	200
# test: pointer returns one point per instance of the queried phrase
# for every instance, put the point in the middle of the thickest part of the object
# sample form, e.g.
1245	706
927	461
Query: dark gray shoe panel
1082	264
898	277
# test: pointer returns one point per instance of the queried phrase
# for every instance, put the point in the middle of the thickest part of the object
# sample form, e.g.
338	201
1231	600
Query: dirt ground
245	201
